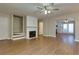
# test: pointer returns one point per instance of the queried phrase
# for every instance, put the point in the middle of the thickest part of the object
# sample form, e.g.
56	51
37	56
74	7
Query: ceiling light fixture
66	20
47	12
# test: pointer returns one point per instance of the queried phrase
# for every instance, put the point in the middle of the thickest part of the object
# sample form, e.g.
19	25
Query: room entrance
66	30
40	25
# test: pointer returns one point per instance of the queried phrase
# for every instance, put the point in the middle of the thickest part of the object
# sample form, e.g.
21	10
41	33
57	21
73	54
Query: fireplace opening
32	34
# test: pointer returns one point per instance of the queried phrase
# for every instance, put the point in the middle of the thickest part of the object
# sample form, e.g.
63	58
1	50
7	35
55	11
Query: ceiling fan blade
52	4
38	7
38	11
48	4
56	9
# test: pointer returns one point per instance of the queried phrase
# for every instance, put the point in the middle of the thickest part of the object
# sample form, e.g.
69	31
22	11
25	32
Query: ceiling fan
47	8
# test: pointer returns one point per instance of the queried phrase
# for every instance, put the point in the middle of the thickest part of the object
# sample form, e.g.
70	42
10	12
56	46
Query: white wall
31	21
4	26
49	27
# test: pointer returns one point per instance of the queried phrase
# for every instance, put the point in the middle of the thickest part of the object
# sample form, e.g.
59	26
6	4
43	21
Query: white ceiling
30	9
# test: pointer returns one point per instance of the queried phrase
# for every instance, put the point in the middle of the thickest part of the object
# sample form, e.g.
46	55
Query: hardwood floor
62	45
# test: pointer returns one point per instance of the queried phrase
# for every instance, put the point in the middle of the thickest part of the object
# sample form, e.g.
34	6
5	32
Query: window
68	28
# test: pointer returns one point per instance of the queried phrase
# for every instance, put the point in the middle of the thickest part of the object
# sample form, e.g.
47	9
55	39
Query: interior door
40	28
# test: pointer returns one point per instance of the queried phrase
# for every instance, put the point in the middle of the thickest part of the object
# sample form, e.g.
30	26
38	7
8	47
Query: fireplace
32	34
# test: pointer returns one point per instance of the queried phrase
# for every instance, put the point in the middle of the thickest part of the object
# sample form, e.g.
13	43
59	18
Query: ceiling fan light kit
47	12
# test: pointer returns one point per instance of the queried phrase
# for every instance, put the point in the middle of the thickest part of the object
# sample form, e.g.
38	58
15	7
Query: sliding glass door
65	28
68	27
71	28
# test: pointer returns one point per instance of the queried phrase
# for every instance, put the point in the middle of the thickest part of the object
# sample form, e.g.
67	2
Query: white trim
11	26
31	38
21	34
54	36
49	35
4	39
77	39
18	38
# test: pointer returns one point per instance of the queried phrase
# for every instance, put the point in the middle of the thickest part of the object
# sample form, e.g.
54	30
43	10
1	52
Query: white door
40	28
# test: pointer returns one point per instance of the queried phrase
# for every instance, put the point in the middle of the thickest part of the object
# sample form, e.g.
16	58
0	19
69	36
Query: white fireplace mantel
31	25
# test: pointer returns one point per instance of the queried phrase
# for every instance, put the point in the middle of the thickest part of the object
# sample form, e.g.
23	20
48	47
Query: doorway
66	31
65	28
40	28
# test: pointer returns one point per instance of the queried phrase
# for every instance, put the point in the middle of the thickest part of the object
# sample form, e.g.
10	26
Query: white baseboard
49	35
18	38
54	36
76	40
4	38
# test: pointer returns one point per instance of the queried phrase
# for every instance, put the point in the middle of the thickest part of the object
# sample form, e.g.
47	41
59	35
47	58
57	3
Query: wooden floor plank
61	45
